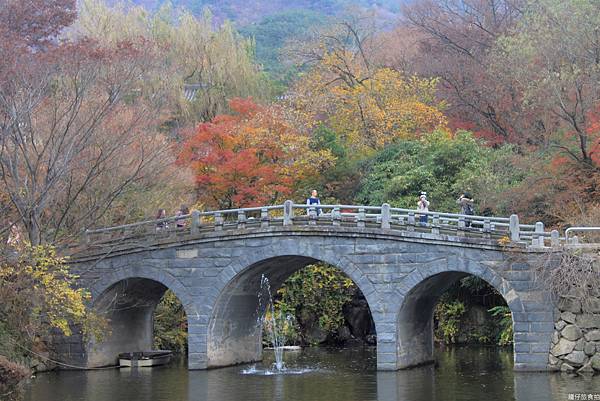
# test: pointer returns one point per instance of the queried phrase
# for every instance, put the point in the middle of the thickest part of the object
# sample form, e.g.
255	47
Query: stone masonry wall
576	338
401	275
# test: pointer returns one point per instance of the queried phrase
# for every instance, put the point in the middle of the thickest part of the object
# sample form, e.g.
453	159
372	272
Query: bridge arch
128	298
233	335
420	292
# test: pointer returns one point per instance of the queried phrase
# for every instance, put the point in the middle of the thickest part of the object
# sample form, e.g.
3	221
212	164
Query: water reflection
469	373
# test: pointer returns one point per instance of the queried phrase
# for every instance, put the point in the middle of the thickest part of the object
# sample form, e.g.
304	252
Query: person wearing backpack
466	206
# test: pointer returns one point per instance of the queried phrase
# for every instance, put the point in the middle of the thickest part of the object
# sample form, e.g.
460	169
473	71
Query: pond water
461	373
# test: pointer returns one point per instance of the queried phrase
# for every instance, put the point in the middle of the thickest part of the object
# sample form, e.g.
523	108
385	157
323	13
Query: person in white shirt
423	206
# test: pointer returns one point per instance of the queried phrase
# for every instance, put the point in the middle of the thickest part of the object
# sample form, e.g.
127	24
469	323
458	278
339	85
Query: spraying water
265	300
275	327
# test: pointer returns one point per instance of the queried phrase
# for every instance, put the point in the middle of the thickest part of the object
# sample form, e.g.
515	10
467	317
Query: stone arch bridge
213	262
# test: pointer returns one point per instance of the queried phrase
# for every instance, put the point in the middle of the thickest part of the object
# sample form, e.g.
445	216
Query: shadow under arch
422	289
128	299
234	332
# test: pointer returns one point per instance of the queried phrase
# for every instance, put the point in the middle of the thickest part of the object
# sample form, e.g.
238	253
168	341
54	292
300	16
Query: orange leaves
254	157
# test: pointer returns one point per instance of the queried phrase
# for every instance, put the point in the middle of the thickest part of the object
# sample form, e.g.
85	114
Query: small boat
145	358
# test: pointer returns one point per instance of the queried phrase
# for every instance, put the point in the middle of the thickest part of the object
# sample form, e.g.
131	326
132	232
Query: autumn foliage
369	107
252	157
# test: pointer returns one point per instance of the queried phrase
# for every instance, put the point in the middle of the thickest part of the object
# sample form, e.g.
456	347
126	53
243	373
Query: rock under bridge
213	262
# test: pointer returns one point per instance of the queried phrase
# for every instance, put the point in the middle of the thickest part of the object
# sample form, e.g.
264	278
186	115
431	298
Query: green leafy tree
448	315
170	324
316	296
443	166
504	319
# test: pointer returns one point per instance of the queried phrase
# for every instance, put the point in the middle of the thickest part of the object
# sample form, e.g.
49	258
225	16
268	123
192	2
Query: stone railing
383	217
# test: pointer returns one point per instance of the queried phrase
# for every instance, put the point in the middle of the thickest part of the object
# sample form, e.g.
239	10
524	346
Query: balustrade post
554	239
435	224
288	213
86	235
411	221
386	216
241	219
360	218
218	221
487	228
195	227
336	216
312	216
514	228
539	230
264	217
461	225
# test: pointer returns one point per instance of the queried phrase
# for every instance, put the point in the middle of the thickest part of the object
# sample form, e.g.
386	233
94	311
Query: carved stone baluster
360	218
336	216
241	219
435	224
487	228
514	228
411	221
462	224
386	216
312	215
264	217
218	221
539	231
195	226
288	213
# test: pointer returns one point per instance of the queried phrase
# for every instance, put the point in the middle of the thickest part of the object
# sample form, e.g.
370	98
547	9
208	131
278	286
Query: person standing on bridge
466	203
313	200
423	206
161	214
183	211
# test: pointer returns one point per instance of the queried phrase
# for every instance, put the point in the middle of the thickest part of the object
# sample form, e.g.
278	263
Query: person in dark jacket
314	200
466	204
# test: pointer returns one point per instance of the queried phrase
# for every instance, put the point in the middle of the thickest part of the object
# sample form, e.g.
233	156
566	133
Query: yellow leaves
504	241
40	283
368	107
387	107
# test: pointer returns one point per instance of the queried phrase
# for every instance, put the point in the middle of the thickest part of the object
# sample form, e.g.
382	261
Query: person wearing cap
423	206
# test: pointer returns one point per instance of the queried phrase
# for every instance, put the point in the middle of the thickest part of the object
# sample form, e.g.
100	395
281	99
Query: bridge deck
485	230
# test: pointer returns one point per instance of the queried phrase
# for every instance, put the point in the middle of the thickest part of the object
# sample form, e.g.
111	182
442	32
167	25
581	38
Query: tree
553	55
371	110
34	24
203	65
455	38
78	129
443	166
37	296
316	295
367	105
254	157
386	108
